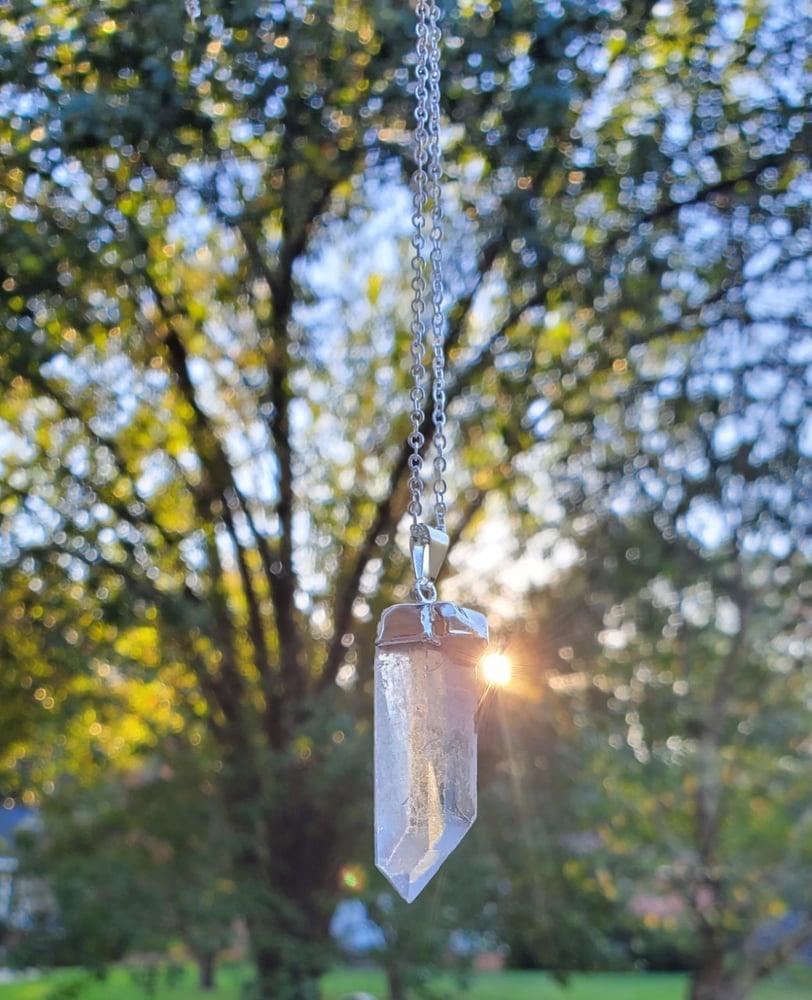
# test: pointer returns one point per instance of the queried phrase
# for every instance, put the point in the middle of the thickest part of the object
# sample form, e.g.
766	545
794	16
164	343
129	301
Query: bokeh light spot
353	877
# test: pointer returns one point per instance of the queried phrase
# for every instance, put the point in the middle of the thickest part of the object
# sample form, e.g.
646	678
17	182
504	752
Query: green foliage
133	864
692	688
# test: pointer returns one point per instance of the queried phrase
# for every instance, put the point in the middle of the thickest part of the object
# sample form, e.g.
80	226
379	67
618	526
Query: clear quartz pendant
426	695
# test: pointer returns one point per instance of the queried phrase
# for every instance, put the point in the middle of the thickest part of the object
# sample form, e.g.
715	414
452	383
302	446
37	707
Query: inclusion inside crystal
426	695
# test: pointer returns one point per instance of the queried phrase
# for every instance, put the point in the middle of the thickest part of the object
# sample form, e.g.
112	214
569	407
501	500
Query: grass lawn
792	984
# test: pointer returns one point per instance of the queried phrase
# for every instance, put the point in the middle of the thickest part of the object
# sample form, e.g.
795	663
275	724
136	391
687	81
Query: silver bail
428	547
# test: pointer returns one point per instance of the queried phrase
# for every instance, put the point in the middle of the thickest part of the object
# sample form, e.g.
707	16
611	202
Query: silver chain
427	196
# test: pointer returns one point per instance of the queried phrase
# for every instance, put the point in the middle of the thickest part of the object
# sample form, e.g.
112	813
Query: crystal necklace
426	687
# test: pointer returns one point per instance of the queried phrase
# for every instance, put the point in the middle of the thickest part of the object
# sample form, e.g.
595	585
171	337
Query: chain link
427	200
418	323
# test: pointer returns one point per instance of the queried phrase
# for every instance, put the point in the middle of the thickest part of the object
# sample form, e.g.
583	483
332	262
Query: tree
557	906
694	528
135	861
697	689
206	447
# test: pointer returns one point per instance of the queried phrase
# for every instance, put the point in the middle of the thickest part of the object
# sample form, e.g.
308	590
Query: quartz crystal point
426	695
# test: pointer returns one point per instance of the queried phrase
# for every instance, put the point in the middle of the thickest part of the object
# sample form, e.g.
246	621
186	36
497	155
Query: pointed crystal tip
413	863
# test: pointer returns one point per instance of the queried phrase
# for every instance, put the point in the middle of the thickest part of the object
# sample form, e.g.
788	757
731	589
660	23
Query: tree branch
781	953
215	501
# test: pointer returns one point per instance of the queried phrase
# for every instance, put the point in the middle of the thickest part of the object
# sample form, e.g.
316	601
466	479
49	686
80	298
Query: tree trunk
394	976
286	935
279	979
205	970
711	982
